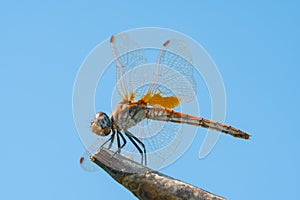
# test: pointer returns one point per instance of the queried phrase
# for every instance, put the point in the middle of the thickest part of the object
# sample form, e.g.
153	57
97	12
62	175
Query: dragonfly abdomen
164	114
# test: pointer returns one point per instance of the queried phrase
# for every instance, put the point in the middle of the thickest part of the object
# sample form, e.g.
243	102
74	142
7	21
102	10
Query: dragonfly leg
119	134
118	142
124	140
134	139
111	139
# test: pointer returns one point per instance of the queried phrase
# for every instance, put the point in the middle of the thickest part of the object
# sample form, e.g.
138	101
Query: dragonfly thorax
101	124
128	114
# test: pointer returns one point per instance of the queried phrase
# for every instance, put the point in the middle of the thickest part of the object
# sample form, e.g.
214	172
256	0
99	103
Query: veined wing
127	55
173	77
85	161
167	83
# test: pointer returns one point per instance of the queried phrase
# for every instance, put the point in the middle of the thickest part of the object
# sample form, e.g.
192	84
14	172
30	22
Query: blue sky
255	46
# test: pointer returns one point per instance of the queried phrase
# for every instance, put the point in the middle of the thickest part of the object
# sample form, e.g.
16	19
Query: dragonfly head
101	124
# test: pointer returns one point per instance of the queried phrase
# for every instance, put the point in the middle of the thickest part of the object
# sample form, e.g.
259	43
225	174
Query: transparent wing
160	139
174	70
85	161
127	55
170	75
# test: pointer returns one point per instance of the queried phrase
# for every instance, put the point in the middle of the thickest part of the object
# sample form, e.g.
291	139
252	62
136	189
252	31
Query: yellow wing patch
132	96
168	102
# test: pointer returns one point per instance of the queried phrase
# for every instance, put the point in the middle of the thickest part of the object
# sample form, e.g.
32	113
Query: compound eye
101	124
99	115
102	120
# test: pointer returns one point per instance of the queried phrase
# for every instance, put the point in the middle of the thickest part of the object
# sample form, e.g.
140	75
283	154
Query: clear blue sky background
255	46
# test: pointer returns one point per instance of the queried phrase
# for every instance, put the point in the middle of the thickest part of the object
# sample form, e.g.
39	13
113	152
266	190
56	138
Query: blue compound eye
102	120
101	125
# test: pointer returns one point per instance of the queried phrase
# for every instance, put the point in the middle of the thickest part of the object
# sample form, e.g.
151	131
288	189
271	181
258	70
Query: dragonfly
170	82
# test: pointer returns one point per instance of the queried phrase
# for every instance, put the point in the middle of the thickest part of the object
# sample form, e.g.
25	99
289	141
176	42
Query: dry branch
146	183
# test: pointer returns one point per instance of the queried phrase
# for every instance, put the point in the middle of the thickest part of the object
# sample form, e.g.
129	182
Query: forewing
174	71
127	55
85	161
